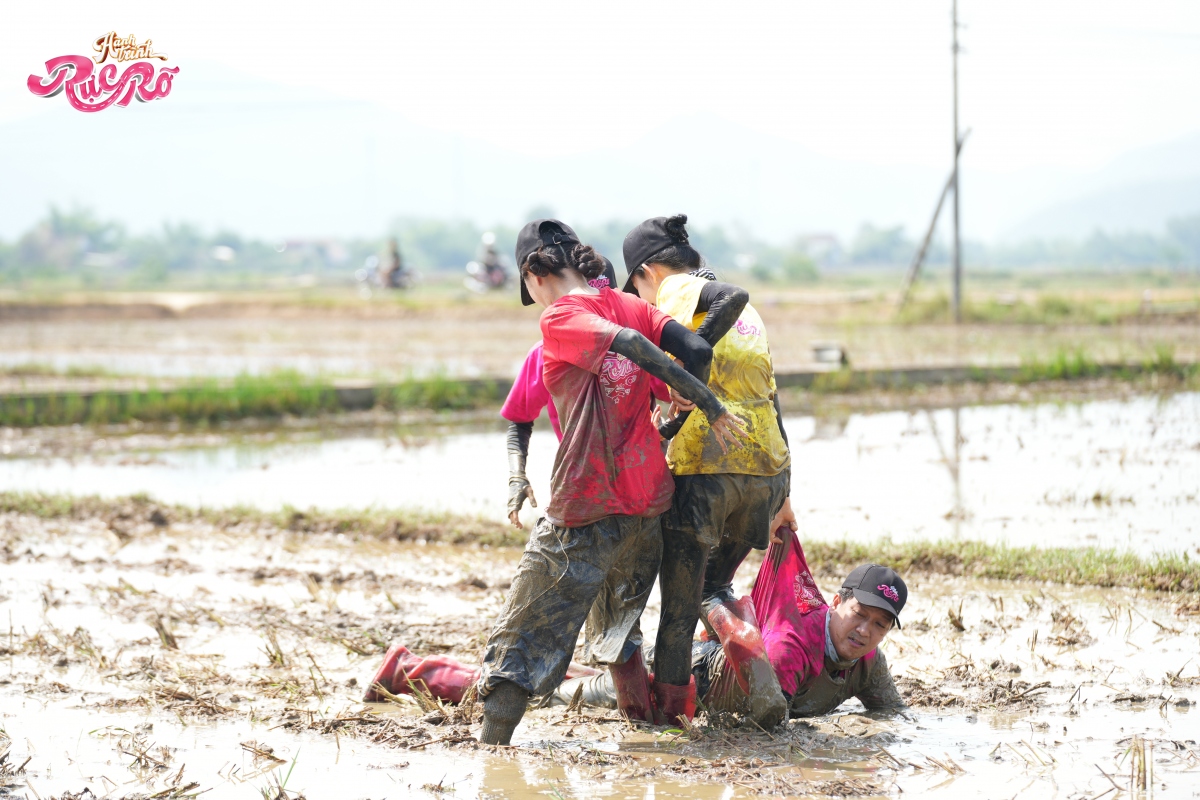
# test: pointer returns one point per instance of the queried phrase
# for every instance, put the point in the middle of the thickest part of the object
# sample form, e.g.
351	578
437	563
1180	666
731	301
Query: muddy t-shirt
609	461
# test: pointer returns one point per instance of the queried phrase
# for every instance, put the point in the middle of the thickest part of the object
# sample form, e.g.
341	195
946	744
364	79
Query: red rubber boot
445	678
674	702
737	629
633	688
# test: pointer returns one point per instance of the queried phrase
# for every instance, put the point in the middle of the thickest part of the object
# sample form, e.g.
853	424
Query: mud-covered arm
689	380
724	303
880	691
518	453
696	355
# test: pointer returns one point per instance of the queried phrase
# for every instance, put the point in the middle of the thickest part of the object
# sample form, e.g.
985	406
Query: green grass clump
209	401
1084	566
441	394
1064	365
1047	309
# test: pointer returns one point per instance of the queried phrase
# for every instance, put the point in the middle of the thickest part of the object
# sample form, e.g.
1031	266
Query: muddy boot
735	626
632	685
443	677
673	702
502	710
597	691
723	563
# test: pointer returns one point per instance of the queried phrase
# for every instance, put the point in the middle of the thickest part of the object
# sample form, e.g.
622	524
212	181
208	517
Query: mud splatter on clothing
610	461
602	572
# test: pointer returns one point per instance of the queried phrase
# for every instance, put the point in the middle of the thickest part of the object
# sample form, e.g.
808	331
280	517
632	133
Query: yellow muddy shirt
742	377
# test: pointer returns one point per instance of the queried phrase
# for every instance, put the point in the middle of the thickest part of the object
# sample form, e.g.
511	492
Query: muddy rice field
147	653
148	657
150	650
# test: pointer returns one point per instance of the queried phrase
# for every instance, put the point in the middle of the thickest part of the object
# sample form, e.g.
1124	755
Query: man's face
856	629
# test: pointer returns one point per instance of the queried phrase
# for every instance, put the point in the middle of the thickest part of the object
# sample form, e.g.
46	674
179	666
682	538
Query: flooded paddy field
1119	473
148	656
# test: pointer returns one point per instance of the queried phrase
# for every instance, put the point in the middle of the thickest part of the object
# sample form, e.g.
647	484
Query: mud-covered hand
518	490
729	431
785	517
680	402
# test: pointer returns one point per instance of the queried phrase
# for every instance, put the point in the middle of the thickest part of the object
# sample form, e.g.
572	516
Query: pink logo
889	592
89	90
746	329
617	377
599	283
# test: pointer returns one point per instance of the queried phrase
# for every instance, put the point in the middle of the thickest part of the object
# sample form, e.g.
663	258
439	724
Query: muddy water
91	693
1120	473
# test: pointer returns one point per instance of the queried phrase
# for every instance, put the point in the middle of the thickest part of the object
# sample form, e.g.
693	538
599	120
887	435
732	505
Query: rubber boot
735	626
502	711
443	677
673	701
723	563
598	691
632	684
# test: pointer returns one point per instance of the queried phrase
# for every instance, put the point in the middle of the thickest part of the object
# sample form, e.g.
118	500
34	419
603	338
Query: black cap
878	586
606	279
644	241
534	235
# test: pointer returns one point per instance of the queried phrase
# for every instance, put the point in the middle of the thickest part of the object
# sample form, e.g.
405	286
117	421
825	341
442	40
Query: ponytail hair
552	259
679	256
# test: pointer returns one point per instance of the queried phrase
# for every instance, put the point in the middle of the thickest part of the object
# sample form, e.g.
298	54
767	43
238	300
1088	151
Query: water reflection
1122	473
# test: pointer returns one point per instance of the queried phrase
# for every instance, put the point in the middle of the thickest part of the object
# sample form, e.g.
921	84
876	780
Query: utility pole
957	147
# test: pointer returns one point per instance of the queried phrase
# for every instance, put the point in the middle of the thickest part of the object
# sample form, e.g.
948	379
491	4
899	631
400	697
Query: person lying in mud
821	654
600	537
725	503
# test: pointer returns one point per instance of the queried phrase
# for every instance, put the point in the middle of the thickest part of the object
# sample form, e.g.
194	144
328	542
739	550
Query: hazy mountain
227	150
1140	190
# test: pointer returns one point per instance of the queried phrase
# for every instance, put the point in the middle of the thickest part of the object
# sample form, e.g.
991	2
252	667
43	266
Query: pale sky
1063	84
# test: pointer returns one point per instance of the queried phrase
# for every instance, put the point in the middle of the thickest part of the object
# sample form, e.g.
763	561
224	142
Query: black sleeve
675	337
641	351
695	353
518	446
724	303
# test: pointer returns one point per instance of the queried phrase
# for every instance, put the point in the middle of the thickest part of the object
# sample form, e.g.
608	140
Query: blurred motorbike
370	277
489	271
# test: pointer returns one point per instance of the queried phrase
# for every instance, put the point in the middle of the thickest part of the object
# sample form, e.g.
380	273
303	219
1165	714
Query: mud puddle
1116	473
244	655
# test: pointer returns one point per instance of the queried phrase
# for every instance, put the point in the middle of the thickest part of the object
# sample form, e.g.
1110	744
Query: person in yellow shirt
726	503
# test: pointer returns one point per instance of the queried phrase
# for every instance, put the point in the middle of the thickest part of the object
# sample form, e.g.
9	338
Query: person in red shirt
524	404
600	537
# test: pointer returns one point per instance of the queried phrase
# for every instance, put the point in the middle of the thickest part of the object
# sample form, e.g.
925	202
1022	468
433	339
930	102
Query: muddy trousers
600	573
704	542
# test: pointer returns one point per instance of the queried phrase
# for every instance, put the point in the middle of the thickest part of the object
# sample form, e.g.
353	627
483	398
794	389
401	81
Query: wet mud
164	660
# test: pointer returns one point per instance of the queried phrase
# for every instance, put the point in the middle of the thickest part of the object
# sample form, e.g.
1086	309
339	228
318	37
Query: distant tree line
77	247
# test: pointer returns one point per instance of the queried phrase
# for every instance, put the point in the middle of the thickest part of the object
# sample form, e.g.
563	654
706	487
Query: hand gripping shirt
742	378
792	615
609	461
